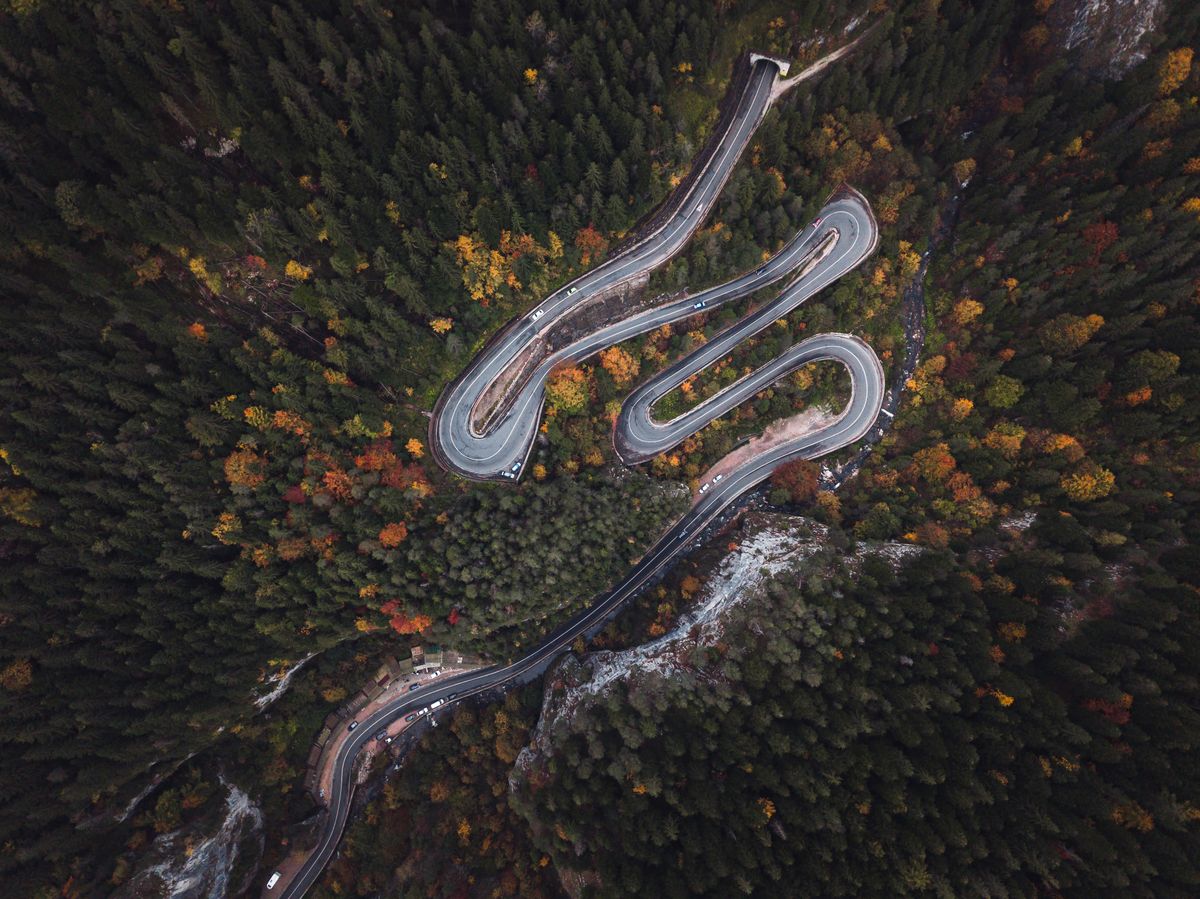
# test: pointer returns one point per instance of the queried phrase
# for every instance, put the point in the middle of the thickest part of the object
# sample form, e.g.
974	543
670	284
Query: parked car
516	466
381	735
411	717
719	477
704	487
414	687
353	724
274	880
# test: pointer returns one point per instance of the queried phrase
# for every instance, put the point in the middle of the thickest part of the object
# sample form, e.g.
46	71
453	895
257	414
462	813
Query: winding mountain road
841	238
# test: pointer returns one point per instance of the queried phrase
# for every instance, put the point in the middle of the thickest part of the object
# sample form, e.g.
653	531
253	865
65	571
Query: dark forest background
242	249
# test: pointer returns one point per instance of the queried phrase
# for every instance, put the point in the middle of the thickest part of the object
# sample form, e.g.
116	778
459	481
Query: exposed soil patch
783	431
501	393
608	307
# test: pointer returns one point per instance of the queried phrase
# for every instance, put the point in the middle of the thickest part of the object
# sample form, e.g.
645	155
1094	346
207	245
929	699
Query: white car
274	880
699	305
537	315
718	478
572	290
704	488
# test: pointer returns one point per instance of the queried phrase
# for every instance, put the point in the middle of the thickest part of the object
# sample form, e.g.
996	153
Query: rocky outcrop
1108	36
203	862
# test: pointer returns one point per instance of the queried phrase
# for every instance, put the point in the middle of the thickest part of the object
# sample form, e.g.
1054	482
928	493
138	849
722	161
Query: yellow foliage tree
1174	70
966	311
483	271
227	527
17	503
294	269
961	409
1088	482
567	389
1066	333
621	365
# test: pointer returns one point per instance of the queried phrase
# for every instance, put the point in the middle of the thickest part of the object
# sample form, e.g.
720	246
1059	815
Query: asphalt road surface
483	456
846	235
842	237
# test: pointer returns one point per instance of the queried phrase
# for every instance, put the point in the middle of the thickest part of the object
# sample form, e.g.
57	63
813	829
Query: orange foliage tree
245	468
935	462
591	242
393	534
621	365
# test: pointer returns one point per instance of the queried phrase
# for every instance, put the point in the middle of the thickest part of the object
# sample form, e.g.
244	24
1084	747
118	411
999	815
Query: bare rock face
1109	36
203	862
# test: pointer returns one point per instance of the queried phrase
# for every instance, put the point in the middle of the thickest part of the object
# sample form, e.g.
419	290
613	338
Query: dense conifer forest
244	247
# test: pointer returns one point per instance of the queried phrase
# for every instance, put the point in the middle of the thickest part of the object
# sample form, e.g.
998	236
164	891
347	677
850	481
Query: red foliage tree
1100	235
798	478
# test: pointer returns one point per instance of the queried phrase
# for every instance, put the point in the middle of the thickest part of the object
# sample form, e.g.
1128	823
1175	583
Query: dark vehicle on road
414	687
